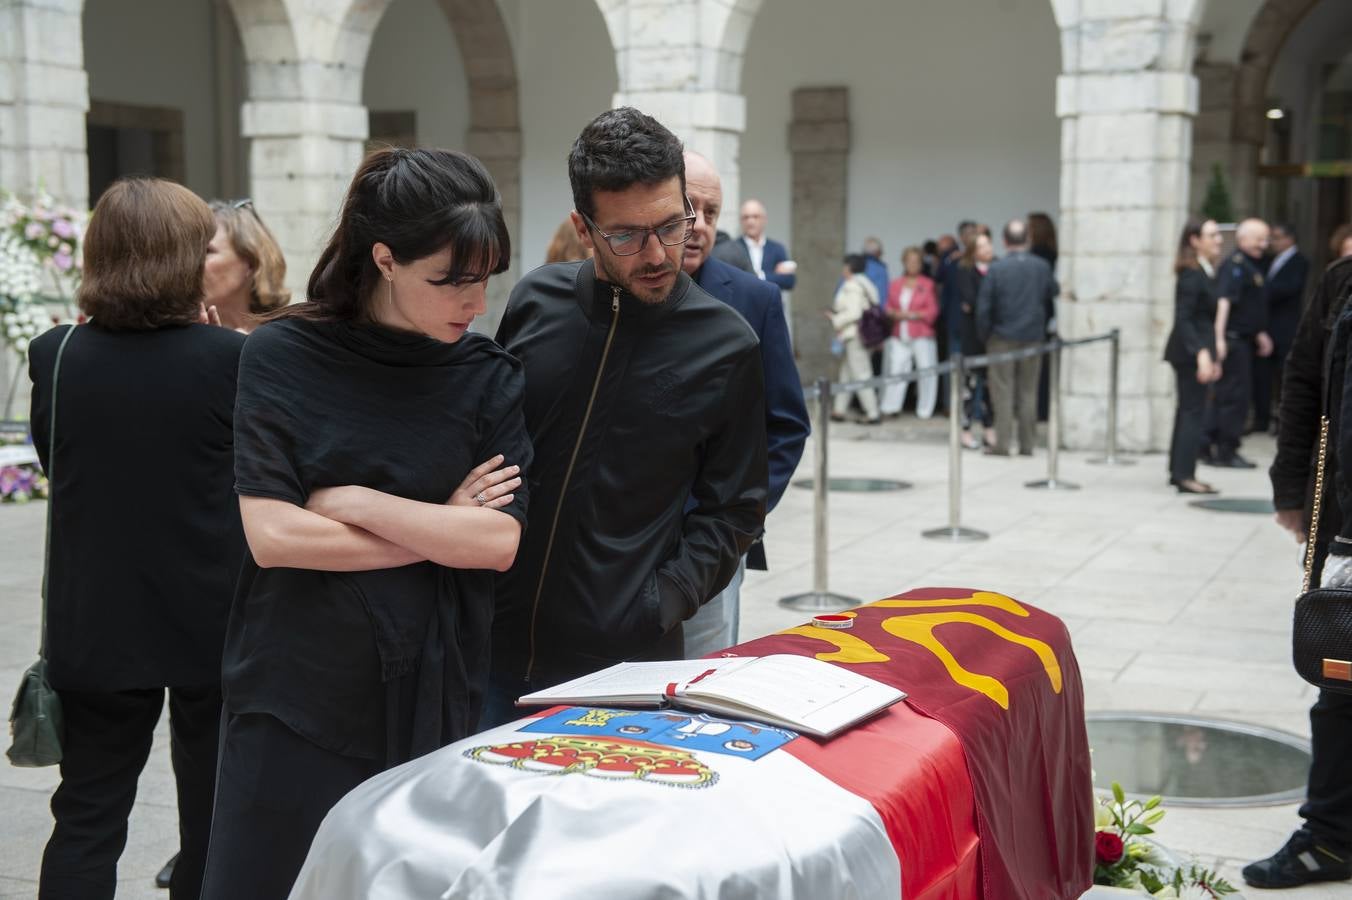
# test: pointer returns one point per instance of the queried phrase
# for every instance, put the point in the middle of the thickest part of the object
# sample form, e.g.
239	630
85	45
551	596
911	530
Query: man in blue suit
786	424
769	259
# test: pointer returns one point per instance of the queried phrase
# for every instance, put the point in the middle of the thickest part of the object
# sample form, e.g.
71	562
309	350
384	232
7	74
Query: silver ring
481	498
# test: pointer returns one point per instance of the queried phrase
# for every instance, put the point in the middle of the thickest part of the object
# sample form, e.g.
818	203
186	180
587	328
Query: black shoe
166	874
1233	461
1302	861
1193	486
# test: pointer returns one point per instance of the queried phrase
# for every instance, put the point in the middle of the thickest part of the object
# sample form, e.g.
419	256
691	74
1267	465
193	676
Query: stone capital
295	118
1126	92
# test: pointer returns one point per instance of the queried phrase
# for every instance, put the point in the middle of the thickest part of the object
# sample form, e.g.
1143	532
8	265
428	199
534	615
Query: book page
638	682
815	695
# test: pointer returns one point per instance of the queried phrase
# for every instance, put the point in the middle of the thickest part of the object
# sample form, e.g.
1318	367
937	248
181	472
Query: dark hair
965	223
416	202
1285	228
144	252
856	262
619	149
1016	233
931	247
1186	258
1042	231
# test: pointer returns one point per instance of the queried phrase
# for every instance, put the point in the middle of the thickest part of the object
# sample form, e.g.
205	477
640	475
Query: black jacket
1292	471
1017	299
633	409
966	288
146	536
1286	291
1194	318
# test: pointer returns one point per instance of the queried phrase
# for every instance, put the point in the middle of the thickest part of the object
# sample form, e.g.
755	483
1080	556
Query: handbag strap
1312	539
51	486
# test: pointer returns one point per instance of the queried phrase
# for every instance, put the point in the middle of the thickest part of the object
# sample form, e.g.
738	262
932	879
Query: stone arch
494	97
1267	34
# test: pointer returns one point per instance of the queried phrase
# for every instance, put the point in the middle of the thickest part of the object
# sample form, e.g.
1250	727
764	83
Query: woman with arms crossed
359	633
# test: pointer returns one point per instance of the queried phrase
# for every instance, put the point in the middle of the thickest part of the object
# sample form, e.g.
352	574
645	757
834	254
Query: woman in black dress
1191	349
360	629
145	534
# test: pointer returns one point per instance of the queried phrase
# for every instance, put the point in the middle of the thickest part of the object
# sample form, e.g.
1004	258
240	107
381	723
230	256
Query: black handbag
36	725
1321	634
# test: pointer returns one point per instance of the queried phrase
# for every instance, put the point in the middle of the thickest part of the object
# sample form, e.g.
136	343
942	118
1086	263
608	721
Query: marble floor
1171	609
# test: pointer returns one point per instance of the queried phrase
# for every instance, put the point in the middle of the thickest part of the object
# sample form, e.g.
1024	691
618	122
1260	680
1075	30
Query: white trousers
855	366
905	356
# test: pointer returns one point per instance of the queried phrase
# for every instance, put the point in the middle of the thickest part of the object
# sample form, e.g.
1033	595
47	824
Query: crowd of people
377	527
1235	325
953	296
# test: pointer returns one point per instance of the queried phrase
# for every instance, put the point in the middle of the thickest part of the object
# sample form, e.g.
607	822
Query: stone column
1126	103
681	62
303	117
302	153
44	95
819	141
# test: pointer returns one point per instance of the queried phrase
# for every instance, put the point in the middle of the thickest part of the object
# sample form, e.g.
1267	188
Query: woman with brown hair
1191	349
359	634
245	271
145	540
566	246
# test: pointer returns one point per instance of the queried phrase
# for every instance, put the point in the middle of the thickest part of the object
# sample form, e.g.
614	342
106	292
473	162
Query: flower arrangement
51	235
21	478
40	264
19	484
1124	858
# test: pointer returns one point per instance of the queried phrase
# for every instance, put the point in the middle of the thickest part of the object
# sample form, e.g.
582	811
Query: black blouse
1195	295
146	538
332	654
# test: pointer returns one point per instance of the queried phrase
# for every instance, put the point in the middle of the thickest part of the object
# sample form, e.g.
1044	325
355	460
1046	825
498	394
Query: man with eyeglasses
642	393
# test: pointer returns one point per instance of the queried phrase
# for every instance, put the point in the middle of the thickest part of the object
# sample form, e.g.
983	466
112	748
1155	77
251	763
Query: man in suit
1241	335
731	252
1286	276
769	259
786	424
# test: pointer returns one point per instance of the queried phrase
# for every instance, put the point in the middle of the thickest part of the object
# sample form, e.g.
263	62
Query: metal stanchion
819	599
1051	482
953	531
1110	457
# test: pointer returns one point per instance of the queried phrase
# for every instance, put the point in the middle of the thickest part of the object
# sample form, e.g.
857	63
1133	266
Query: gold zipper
568	473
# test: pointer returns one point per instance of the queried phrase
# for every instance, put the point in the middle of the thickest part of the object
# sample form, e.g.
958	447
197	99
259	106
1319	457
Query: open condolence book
796	692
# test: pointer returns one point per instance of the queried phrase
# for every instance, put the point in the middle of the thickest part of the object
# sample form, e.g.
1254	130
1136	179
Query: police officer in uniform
1241	332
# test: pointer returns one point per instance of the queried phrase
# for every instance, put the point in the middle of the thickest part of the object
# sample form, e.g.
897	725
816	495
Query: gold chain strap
1313	537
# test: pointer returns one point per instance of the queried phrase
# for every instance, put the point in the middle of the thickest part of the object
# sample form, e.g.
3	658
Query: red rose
1107	847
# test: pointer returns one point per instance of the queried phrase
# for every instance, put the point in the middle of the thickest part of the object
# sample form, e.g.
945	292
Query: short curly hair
144	252
619	149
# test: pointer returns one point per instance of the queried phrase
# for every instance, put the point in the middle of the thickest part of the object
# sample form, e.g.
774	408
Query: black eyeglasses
627	243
